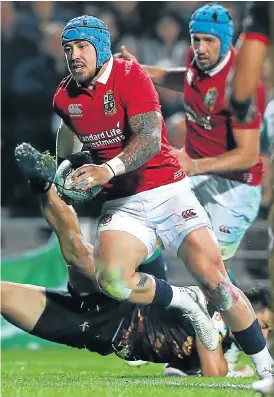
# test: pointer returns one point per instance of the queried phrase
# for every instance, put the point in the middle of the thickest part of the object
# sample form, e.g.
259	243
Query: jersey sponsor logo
189	214
210	98
109	104
203	121
225	229
105	138
75	110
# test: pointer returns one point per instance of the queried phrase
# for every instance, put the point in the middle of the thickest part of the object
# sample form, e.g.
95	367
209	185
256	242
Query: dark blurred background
32	67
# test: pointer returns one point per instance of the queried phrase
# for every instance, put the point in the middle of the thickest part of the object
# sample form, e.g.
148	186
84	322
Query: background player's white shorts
170	212
231	206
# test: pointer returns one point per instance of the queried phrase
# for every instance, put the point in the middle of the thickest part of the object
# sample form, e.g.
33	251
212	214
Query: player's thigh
124	239
118	250
177	214
201	253
22	304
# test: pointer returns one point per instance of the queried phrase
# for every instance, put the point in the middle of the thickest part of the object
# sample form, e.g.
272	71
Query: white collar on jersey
105	76
220	66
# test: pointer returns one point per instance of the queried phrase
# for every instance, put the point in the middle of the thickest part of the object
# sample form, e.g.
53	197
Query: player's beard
83	78
207	66
204	67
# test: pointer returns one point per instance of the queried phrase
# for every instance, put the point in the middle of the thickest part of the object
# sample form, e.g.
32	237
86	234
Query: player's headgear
215	20
90	29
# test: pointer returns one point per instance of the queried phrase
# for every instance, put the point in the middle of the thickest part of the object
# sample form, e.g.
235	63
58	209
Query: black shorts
90	322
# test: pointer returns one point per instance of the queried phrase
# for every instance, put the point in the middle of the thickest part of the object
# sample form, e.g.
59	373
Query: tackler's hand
125	54
187	163
90	175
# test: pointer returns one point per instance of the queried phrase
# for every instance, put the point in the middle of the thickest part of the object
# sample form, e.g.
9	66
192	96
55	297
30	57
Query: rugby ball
63	178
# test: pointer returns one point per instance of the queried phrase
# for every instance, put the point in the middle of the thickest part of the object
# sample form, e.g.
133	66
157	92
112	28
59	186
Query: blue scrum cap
90	29
215	20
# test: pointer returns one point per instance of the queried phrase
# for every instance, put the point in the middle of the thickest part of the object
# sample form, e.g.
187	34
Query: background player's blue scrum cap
90	29
215	20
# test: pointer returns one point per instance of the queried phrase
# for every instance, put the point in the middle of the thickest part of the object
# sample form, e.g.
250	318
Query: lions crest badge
109	104
210	98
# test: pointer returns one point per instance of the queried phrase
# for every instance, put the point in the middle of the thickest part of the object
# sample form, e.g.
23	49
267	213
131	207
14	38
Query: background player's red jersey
99	118
209	122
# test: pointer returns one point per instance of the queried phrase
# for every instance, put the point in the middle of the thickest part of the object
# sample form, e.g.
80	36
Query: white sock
176	299
262	359
182	299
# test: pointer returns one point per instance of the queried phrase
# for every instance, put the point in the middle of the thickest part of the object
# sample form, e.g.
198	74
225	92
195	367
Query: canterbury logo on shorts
189	214
225	229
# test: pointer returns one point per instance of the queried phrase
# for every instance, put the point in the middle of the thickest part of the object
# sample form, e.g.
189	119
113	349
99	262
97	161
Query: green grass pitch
66	372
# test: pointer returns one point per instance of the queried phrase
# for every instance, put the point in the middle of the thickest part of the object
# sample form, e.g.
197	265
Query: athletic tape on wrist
117	166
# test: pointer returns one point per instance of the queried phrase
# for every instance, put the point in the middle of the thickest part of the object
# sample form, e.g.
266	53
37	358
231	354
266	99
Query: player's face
81	60
266	321
206	49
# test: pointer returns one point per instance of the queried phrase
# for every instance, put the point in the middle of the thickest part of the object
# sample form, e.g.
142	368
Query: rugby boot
35	165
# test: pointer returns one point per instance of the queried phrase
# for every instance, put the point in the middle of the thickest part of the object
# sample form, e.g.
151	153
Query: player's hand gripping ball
63	178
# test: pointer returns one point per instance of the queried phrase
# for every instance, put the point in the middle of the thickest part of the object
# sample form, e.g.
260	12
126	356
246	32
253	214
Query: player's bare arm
146	141
243	157
213	363
77	253
143	145
66	142
171	78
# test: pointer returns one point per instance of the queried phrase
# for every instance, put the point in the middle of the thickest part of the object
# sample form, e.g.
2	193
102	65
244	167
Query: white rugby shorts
231	206
170	212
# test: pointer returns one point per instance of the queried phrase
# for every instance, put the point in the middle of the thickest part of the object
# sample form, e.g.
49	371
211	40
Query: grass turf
73	373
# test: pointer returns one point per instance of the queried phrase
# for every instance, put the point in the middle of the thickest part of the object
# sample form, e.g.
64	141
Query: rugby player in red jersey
220	154
112	106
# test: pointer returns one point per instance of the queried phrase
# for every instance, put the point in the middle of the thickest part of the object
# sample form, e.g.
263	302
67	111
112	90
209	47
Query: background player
215	143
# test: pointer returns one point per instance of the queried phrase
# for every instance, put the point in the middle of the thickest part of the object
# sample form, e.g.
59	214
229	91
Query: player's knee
222	294
112	284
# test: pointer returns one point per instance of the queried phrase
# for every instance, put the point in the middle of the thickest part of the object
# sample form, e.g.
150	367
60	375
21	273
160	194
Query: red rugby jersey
208	119
99	118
